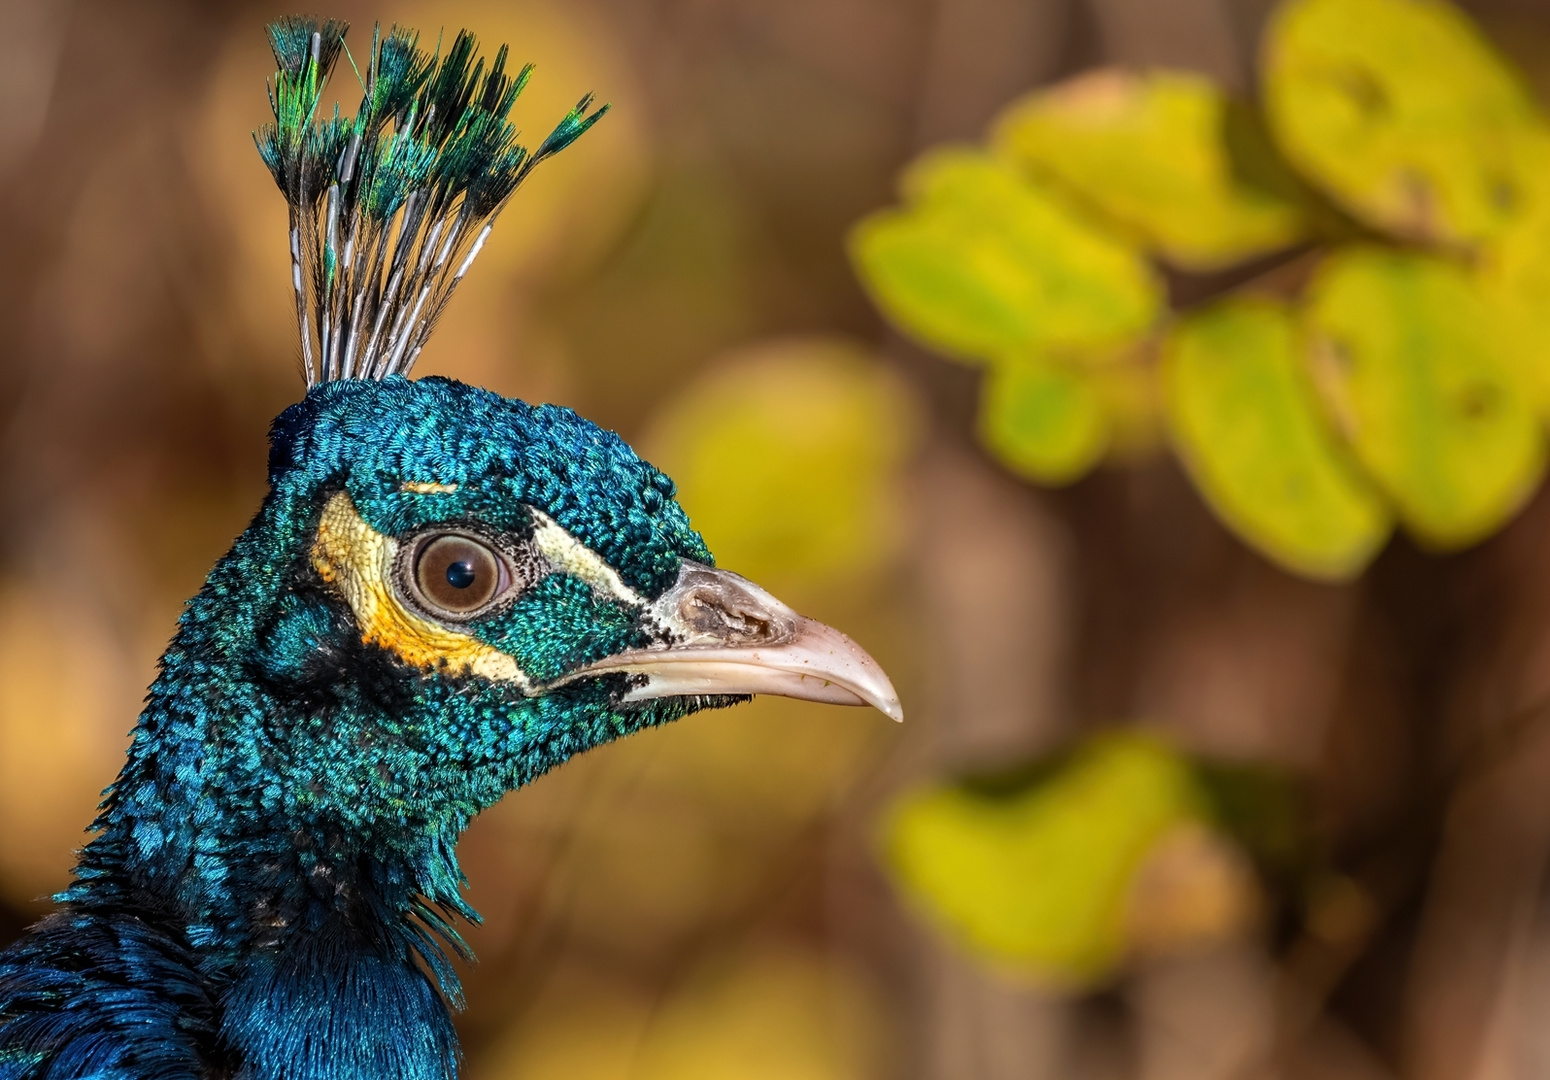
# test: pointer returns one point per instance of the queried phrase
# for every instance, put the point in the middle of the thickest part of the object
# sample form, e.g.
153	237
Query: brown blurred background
706	901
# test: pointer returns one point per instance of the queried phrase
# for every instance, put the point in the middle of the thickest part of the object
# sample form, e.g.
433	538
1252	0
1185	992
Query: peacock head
464	590
447	592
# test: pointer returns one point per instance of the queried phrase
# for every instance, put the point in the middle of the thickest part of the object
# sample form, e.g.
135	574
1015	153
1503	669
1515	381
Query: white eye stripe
570	556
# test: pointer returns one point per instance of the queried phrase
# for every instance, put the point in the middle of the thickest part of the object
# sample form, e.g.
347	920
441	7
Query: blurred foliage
1063	871
1190	204
767	1014
990	267
787	457
1402	384
1044	420
1427	388
1280	481
1403	113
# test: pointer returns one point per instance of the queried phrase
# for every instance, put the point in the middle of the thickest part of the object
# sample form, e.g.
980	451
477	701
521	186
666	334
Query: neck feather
283	779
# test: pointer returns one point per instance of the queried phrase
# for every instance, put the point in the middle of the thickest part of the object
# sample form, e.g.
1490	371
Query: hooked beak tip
846	664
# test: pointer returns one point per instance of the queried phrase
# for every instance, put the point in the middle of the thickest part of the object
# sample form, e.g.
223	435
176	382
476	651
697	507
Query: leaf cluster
1065	869
1384	357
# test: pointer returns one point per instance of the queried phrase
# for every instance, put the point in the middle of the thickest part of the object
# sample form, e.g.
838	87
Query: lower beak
728	636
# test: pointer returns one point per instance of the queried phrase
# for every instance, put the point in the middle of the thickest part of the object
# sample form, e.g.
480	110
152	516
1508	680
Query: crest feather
388	209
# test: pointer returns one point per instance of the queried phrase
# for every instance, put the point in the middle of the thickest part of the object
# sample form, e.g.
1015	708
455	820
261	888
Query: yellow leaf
1425	381
1402	112
1039	879
1151	152
1045	421
787	458
1246	422
1515	279
982	262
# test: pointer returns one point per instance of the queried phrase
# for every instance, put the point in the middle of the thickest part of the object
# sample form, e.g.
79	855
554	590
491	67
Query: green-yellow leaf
1515	280
1246	421
1424	380
1402	112
981	262
1151	151
787	459
1039	878
1042	419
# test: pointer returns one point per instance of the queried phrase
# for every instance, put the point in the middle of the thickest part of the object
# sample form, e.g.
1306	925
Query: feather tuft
389	209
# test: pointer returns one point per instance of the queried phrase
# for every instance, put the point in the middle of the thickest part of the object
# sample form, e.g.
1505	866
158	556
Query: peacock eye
458	574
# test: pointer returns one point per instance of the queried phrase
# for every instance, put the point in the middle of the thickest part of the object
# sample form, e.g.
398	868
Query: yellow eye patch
360	561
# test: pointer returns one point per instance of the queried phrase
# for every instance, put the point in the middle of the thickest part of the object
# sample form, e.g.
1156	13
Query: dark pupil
457	574
460	575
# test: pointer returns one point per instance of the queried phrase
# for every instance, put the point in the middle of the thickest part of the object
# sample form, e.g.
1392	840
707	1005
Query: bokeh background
1247	820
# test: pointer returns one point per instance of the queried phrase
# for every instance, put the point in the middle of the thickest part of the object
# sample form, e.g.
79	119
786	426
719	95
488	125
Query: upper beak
728	636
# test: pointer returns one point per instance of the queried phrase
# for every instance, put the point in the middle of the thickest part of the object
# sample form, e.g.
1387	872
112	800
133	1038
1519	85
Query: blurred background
1218	594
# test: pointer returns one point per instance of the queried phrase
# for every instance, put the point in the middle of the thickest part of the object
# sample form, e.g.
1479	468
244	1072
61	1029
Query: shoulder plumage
88	994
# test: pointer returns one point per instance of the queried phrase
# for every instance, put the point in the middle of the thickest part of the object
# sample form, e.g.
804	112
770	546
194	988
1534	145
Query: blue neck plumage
298	829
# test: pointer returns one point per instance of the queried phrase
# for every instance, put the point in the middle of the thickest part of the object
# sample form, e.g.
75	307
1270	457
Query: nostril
745	624
725	619
710	608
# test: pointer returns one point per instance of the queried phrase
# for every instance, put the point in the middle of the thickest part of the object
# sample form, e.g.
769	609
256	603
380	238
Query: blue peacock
444	594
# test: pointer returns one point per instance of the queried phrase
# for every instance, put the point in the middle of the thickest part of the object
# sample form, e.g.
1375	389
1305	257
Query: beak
725	635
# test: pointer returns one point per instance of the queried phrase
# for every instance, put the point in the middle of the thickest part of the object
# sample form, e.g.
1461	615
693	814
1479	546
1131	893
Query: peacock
444	594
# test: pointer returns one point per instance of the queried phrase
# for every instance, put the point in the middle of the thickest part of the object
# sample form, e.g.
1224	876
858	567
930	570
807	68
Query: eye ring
454	575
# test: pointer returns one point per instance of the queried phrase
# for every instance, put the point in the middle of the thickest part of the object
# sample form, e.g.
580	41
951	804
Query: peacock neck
279	782
258	821
311	925
237	841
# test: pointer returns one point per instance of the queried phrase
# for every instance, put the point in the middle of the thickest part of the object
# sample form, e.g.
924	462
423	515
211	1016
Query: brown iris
457	573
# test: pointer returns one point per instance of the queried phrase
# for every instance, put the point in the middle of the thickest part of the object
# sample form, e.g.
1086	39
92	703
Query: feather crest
388	209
